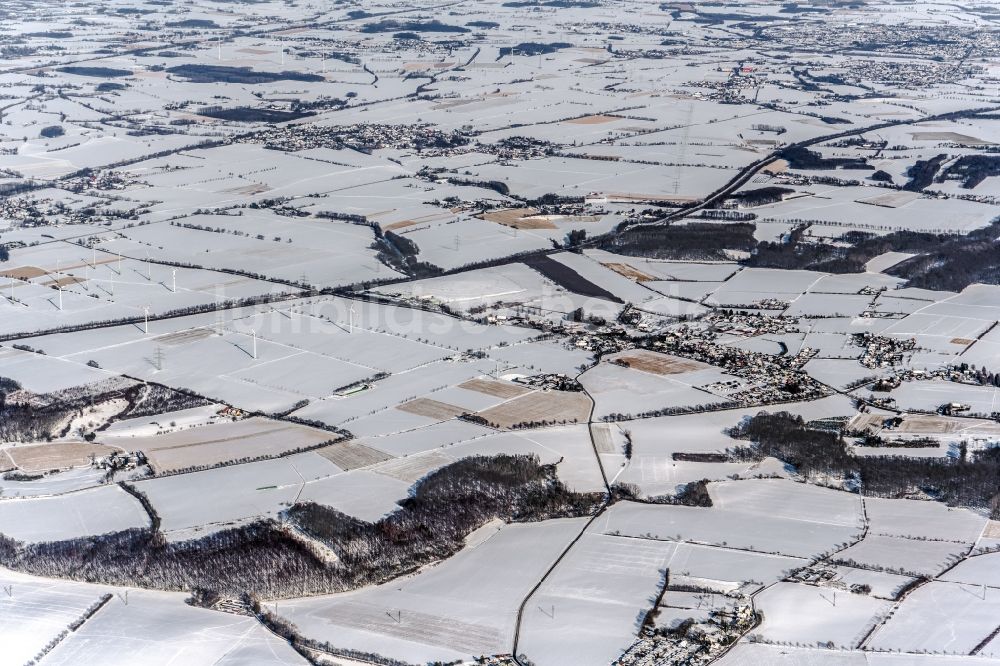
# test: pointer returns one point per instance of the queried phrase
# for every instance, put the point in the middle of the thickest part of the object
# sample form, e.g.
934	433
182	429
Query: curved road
749	171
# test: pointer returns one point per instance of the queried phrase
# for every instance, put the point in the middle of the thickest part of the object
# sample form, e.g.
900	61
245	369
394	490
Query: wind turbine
145	310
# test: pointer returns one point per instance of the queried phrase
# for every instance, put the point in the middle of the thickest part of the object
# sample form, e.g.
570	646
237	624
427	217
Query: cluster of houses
364	137
882	351
119	461
701	642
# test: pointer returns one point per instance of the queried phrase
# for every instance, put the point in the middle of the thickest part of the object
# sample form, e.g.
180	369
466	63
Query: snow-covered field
134	626
71	515
461	608
795	613
587	610
949	618
771	516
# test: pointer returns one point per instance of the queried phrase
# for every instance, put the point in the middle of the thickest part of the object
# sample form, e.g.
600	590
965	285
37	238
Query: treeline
27	423
562	4
199	73
800	157
36	417
972	170
353	218
370	379
249	114
970	480
953	262
532	49
313	423
793	253
761	195
567	278
693	493
100	72
147	505
400	253
391	25
497	186
692	241
154	399
17	419
259	557
442	510
857	248
672	411
922	173
267	559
